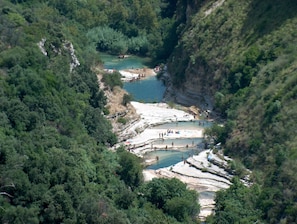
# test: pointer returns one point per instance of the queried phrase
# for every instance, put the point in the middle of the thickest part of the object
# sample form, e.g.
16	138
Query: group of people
169	131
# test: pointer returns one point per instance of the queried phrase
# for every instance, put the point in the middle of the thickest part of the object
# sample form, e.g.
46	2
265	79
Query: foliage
143	28
218	133
95	125
236	205
55	165
244	54
122	120
112	79
173	197
107	39
130	170
126	99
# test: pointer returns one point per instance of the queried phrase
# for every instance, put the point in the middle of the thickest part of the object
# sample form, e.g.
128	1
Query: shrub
126	99
109	40
122	120
112	80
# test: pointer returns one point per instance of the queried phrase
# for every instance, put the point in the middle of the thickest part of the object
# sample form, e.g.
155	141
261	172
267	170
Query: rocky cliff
239	58
191	78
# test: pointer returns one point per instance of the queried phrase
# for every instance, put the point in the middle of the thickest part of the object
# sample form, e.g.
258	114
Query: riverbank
140	134
129	75
197	171
204	181
152	114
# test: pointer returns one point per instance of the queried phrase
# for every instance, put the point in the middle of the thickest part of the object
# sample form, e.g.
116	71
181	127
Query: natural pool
185	147
175	153
169	157
195	124
152	90
146	90
178	142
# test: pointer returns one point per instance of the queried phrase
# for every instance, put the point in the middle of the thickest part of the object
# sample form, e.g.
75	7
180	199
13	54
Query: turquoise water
146	90
172	156
191	142
169	157
152	90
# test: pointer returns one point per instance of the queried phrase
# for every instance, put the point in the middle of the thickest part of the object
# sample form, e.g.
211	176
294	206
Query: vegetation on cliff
243	53
54	163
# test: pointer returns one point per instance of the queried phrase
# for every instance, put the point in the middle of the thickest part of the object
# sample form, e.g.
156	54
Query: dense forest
244	53
55	165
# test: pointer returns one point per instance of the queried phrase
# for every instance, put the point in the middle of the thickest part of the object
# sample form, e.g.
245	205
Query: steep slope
55	162
239	59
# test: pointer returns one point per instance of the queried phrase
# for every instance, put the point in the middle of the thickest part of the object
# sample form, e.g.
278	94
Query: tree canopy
55	165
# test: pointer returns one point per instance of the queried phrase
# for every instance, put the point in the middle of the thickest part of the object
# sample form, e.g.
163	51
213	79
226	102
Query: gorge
175	135
228	60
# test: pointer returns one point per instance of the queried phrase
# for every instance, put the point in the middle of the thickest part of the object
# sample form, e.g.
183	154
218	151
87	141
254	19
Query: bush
109	40
173	196
126	99
122	120
112	80
130	170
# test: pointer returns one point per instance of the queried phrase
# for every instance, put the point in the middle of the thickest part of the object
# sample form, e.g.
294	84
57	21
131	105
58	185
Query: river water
152	90
149	90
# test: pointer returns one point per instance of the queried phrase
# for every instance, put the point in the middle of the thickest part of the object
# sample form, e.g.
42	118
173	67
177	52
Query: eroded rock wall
191	82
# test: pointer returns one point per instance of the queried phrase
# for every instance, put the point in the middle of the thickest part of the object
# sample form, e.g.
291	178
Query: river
173	151
147	90
152	90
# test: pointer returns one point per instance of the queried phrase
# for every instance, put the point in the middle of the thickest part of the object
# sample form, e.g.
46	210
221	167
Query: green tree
98	127
173	197
130	170
112	80
57	206
238	204
20	215
126	99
